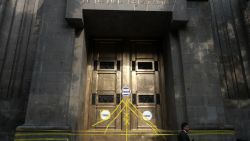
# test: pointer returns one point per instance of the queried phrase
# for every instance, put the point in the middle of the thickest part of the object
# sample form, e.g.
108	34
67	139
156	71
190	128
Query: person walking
183	134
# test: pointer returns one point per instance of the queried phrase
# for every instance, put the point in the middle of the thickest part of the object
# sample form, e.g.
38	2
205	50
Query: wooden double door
117	65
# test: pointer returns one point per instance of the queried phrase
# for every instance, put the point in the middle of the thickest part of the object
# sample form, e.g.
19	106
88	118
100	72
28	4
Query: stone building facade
47	65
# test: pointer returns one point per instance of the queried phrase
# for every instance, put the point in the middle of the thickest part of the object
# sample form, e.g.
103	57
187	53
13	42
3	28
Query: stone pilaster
50	93
203	99
17	51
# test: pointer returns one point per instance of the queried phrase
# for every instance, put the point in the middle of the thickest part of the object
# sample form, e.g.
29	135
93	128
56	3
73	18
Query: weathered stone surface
17	50
48	100
200	69
233	52
175	83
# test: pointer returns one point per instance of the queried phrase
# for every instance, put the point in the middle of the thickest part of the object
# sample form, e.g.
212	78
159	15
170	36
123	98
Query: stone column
175	105
201	77
17	22
54	82
175	82
78	85
204	102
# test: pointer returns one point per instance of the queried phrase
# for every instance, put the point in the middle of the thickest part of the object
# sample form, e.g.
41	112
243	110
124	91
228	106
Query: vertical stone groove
232	69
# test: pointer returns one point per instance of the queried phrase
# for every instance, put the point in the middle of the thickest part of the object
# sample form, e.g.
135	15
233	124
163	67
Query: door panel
103	78
145	82
98	118
106	83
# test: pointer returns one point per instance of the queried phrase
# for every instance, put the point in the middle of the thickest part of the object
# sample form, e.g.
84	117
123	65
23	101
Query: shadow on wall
232	49
233	63
17	52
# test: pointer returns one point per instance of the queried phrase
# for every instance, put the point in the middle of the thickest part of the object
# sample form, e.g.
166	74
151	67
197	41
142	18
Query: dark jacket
182	136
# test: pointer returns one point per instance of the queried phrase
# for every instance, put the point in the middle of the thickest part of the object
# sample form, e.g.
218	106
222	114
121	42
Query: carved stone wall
229	35
55	93
233	55
17	51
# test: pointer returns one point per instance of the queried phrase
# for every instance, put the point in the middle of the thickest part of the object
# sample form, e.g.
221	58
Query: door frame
89	81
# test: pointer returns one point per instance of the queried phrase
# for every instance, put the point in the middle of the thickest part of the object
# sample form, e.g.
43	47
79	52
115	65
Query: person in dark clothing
183	135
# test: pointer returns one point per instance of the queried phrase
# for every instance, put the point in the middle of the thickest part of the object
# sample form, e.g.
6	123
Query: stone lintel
74	14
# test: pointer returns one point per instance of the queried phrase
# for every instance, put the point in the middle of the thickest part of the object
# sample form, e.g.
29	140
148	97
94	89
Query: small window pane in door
105	98
146	99
145	66
107	65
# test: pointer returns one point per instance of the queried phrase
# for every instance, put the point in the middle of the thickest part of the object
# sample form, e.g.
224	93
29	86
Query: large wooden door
117	64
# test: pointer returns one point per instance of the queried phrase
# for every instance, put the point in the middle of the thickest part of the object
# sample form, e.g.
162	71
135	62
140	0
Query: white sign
105	114
147	115
126	91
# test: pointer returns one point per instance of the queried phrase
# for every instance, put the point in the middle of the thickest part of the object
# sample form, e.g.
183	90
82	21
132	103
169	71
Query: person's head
184	126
